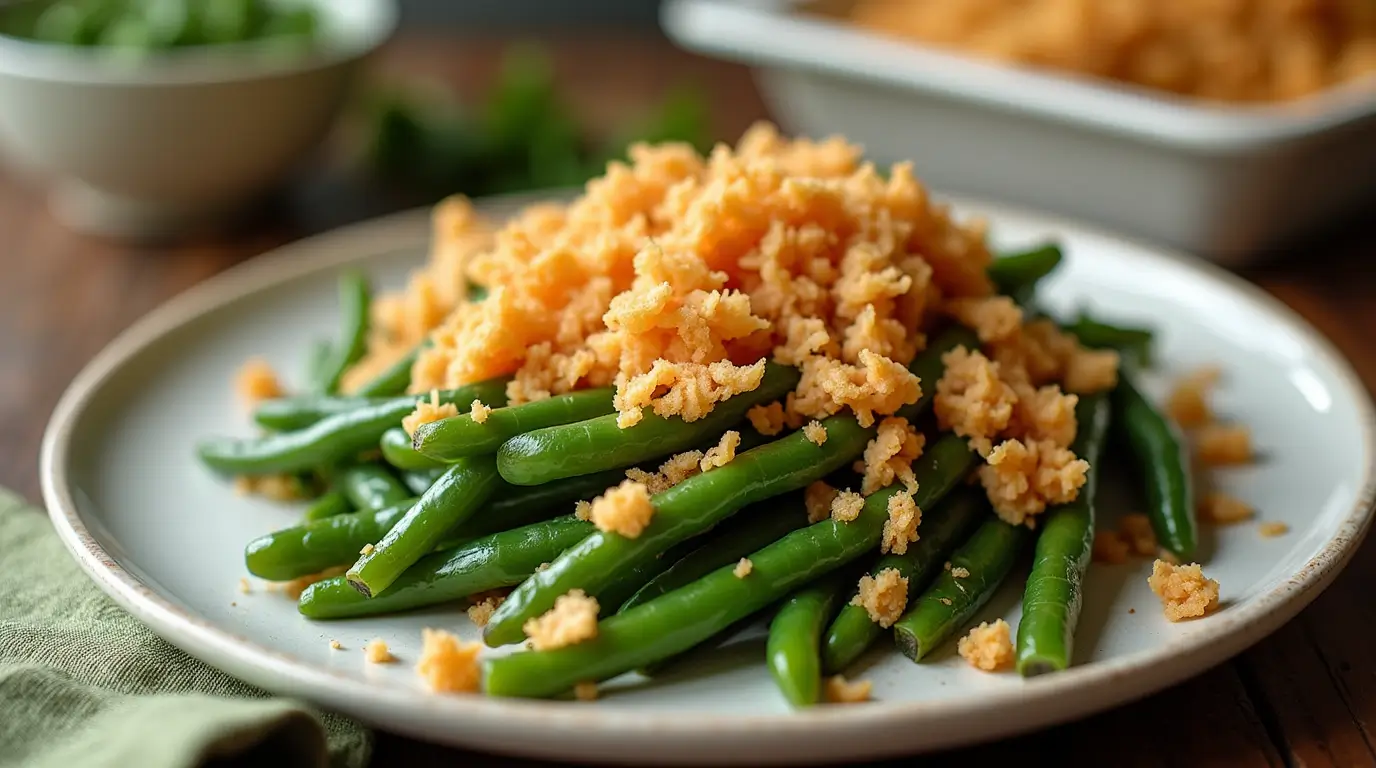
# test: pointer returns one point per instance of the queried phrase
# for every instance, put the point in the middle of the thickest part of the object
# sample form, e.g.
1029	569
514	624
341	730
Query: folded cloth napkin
82	683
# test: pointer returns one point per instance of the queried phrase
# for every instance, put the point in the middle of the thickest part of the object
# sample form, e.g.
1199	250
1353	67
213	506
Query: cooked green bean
1159	453
852	632
334	439
284	414
395	379
496	560
329	504
354	301
317	361
792	650
459	436
1136	342
397	451
597	444
1019	273
677	621
746	532
370	487
462	490
985	560
1054	592
420	480
687	509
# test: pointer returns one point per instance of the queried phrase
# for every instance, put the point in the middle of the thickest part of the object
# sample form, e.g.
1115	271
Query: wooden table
1306	696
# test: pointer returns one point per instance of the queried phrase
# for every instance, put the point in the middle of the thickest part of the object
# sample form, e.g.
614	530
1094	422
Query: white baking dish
1231	183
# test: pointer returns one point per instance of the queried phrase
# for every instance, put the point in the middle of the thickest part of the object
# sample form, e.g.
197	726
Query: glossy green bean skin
459	436
394	380
1017	273
317	361
370	487
1160	456
329	504
284	414
686	510
684	618
1054	592
749	530
420	480
461	491
332	440
852	632
596	444
397	451
496	560
949	602
795	634
355	298
1136	342
318	544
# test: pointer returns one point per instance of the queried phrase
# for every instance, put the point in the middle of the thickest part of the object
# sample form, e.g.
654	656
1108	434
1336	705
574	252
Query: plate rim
1067	695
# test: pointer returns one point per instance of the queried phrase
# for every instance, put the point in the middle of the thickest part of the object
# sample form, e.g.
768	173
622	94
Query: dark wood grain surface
1306	696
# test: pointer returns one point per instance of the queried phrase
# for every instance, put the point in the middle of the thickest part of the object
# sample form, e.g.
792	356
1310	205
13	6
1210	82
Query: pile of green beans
146	26
463	506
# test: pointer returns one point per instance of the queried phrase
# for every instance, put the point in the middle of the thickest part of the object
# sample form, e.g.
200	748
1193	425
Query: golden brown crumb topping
815	432
993	318
817	498
625	509
846	506
1222	509
900	529
722	453
366	550
582	509
971	399
890	455
768	420
1110	547
959	572
673	471
573	619
743	568
257	381
483	606
336	645
1136	530
585	691
1184	590
377	652
427	412
883	596
1188	401
478	412
988	647
1223	445
1023	478
446	664
284	488
839	690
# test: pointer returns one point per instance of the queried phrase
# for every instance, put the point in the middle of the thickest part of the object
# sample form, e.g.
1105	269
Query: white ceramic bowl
179	140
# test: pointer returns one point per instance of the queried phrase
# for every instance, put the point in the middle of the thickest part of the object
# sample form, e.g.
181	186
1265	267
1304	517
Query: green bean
395	379
1158	450
370	487
285	414
459	436
329	504
746	532
476	292
496	560
685	510
354	301
420	480
318	544
928	366
1054	592
317	377
795	637
397	450
986	558
596	444
852	632
677	621
1135	342
462	490
334	439
1018	273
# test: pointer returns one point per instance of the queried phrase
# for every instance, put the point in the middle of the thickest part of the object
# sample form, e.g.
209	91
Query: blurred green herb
521	137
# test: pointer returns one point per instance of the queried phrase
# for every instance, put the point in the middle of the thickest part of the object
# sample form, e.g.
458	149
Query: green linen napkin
82	683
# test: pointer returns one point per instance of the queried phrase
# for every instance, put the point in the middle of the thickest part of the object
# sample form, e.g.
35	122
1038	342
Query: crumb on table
244	586
988	647
1184	590
257	381
1136	530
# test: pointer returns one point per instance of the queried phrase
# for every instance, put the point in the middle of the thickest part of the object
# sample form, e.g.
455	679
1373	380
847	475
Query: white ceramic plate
165	538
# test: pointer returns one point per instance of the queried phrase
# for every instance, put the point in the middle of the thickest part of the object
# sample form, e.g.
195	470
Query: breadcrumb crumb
1023	478
673	471
988	647
1221	509
900	529
1273	529
959	572
1184	590
377	652
723	452
743	568
1136	530
993	318
244	586
846	506
582	509
1219	445
818	498
971	399
1110	547
478	412
483	606
295	587
768	420
1188	403
838	690
283	488
427	412
573	619
890	455
367	549
256	381
815	432
336	645
883	596
625	509
585	691
446	664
